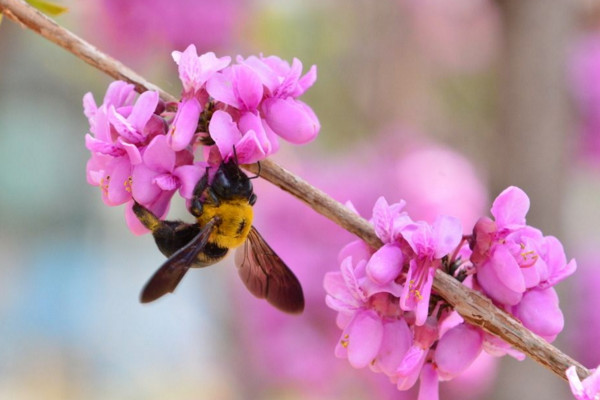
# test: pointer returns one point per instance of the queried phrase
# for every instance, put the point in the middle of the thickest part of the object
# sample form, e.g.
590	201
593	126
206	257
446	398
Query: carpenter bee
223	211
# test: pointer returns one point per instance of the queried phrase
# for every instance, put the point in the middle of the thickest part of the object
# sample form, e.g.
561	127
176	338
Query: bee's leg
196	206
146	217
213	197
169	236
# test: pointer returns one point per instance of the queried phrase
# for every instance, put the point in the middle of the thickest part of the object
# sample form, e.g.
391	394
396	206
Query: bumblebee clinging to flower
223	210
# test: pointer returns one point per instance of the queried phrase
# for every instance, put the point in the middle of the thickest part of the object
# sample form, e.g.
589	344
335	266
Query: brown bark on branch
29	17
473	306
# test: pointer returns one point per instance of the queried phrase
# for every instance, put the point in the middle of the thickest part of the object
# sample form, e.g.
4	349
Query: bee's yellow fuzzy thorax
236	221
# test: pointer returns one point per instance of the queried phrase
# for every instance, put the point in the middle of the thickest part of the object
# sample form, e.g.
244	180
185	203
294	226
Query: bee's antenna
258	173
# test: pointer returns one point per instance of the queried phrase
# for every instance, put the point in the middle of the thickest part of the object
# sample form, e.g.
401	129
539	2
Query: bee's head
230	182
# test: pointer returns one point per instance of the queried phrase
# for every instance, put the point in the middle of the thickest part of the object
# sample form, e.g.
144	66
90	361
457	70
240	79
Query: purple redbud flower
291	119
429	243
588	389
119	128
288	117
252	145
164	170
512	257
194	72
238	86
372	332
517	266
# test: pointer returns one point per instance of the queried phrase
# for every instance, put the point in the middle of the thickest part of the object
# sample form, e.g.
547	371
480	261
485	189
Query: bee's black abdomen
173	235
214	252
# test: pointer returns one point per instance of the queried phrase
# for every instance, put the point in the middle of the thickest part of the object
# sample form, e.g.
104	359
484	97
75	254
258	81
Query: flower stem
473	306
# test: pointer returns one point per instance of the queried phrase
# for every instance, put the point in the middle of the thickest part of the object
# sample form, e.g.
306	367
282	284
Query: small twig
473	306
29	17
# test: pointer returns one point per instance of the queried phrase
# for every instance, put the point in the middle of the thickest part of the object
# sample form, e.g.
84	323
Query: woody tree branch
473	306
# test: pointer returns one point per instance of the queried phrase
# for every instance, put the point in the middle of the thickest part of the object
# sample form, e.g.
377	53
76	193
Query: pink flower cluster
517	266
393	323
142	152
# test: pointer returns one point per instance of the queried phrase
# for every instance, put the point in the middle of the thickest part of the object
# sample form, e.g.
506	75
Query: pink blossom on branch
508	260
142	152
517	266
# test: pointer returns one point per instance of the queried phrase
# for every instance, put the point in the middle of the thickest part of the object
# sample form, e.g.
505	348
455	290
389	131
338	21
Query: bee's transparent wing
266	276
168	276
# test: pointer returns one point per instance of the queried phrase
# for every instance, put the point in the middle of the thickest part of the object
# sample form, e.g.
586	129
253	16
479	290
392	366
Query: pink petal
268	77
429	387
247	87
224	132
89	105
123	127
397	339
539	311
510	207
133	152
350	279
143	189
166	182
507	269
184	124
143	109
457	349
336	289
160	206
99	146
96	167
422	308
487	276
119	93
382	219
188	176
291	119
159	156
558	267
249	149
365	333
385	264
306	81
592	383
410	367
195	70
221	87
356	249
118	186
252	122
447	233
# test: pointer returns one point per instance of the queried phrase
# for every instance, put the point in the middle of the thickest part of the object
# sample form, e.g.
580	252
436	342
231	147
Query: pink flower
429	243
588	389
517	266
194	72
508	254
288	117
373	332
119	129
